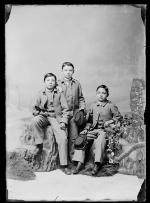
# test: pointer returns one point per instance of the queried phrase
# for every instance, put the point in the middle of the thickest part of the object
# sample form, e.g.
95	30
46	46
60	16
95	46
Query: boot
78	168
66	170
96	168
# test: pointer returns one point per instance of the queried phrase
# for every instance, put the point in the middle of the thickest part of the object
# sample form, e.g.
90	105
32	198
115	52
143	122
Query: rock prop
18	168
46	161
132	154
137	103
132	158
23	161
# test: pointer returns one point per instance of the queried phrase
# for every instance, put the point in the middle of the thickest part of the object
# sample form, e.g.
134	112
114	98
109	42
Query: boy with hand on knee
101	114
51	108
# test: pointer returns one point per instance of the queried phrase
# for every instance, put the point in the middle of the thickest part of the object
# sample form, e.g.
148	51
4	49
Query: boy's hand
84	131
63	126
107	123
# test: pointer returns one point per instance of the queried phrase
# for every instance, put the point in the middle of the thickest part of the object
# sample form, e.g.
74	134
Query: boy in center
72	91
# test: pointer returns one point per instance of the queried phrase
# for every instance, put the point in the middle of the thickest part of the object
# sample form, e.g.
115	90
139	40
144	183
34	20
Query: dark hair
50	75
104	87
67	64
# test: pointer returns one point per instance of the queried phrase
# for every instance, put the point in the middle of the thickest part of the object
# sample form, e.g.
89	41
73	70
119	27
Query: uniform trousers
73	133
39	123
98	147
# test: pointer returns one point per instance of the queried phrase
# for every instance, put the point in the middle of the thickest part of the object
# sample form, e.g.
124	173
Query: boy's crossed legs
38	124
98	147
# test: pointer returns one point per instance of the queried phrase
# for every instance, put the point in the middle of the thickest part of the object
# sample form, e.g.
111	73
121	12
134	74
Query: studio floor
57	186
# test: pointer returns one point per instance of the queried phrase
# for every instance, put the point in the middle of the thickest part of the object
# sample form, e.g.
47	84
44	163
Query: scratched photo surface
105	43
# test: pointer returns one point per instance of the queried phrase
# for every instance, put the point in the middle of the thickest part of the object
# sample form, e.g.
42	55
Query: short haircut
67	64
104	87
50	75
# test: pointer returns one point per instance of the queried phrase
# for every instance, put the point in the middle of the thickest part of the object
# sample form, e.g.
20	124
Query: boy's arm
89	119
65	109
36	106
81	99
115	112
116	115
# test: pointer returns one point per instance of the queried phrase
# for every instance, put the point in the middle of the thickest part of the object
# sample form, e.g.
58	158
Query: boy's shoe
66	170
96	169
78	168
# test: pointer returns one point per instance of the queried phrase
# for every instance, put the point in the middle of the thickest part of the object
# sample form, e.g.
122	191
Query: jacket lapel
43	99
95	115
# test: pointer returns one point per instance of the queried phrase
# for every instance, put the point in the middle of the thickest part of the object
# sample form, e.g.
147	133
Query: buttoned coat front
78	99
59	103
101	113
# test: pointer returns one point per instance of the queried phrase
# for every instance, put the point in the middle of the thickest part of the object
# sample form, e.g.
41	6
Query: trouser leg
38	125
99	147
79	155
61	139
73	133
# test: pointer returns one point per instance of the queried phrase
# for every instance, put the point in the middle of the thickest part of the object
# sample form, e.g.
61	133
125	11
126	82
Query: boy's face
50	82
68	71
101	94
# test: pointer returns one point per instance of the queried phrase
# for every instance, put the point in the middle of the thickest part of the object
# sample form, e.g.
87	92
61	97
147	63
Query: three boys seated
62	105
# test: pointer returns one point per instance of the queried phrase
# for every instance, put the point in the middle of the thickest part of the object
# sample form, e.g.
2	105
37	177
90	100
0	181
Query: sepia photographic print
75	102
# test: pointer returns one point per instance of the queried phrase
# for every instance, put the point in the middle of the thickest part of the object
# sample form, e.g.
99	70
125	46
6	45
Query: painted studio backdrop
106	44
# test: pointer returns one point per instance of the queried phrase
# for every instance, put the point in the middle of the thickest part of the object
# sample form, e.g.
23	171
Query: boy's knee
63	139
101	138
